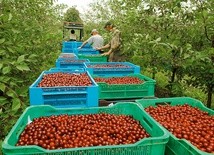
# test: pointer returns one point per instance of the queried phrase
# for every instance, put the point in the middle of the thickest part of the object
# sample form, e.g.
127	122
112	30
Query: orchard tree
161	36
72	15
200	66
29	39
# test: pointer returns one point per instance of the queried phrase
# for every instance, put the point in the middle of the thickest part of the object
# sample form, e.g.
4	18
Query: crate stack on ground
117	71
73	88
61	88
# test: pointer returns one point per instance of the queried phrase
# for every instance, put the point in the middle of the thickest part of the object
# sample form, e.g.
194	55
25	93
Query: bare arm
83	44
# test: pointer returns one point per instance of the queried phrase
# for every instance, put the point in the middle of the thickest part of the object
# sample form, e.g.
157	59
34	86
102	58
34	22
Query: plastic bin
177	146
74	44
79	43
86	51
66	63
68	50
125	91
67	69
154	145
93	57
67	44
64	96
130	69
64	56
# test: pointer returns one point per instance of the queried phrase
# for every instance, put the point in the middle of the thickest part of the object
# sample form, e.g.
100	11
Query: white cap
94	30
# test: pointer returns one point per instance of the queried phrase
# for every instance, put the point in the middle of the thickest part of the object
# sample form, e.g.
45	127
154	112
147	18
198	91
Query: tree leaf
15	31
21	58
11	50
2	51
11	93
6	70
23	67
1	65
10	16
158	39
2	87
2	40
16	104
2	98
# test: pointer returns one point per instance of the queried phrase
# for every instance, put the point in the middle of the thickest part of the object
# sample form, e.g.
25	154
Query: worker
114	53
96	40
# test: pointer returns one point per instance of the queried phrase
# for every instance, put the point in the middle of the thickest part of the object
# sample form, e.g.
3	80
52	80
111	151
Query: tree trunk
173	75
209	95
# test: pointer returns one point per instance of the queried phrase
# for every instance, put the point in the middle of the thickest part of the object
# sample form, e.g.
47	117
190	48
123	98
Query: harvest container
68	50
64	56
93	57
66	63
74	44
64	96
67	69
177	146
119	91
86	51
112	68
154	145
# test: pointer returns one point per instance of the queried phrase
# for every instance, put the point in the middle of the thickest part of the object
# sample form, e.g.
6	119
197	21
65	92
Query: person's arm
114	44
83	44
104	47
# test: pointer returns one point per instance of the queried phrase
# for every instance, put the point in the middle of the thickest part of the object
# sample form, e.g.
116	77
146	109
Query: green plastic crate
93	58
119	91
154	145
177	146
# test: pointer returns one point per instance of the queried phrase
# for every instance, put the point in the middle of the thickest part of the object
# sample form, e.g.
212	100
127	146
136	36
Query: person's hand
98	48
79	47
105	54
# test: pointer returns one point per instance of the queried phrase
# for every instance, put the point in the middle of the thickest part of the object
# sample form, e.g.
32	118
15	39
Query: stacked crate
50	100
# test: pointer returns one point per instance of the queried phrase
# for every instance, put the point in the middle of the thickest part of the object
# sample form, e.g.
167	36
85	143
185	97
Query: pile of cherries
68	55
71	131
65	79
187	122
74	61
120	80
108	66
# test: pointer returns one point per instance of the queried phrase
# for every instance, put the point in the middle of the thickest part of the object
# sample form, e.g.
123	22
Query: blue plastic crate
64	96
68	50
71	63
67	69
67	44
86	51
65	56
74	44
79	43
130	69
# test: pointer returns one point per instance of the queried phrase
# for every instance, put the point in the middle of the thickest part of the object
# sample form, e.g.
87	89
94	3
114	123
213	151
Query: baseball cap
107	24
94	30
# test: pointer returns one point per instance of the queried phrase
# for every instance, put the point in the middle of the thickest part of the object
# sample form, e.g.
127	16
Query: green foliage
72	15
30	37
161	36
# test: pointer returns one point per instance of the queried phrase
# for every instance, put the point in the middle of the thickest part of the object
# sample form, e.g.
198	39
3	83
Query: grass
187	91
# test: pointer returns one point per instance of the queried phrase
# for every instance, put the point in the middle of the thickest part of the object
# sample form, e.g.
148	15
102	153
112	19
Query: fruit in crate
71	131
119	80
65	79
108	66
185	121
